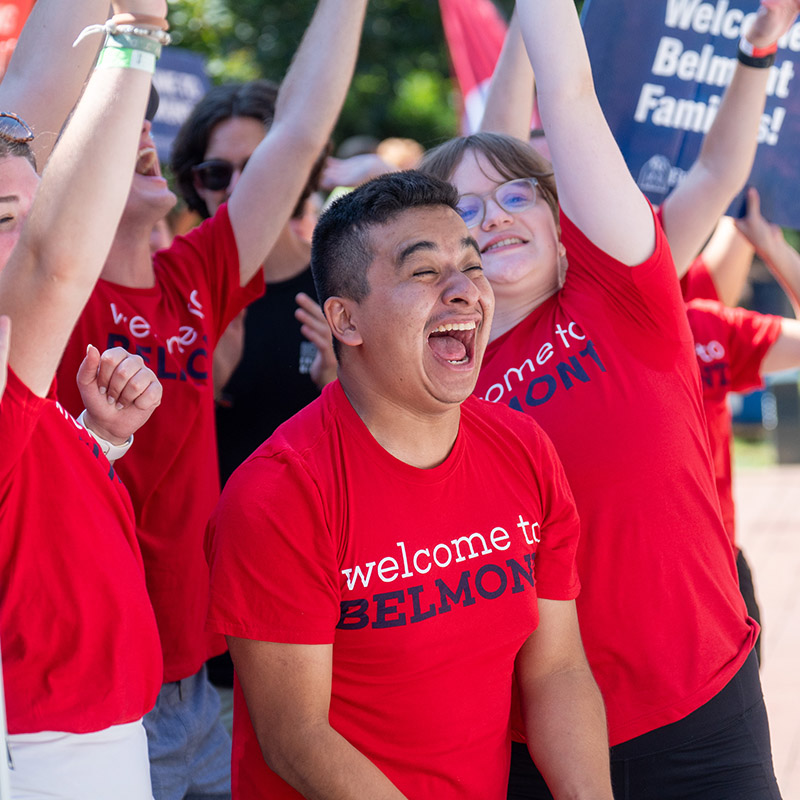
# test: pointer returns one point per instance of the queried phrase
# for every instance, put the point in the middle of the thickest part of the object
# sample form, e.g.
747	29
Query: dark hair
255	99
509	156
341	250
17	150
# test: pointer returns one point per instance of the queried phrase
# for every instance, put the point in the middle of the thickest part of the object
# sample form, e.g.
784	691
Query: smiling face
418	337
150	198
521	251
18	184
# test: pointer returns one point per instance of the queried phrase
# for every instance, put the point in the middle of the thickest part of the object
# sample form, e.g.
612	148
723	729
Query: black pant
721	751
749	594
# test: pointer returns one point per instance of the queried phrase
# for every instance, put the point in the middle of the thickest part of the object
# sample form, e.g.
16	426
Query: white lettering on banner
664	111
673	60
462	548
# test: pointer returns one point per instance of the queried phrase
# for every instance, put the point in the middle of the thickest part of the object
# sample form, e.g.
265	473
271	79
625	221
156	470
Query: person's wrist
756	54
98	431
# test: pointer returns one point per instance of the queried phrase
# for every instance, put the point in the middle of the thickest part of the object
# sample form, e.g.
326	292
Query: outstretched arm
726	158
509	105
46	74
595	187
309	102
288	691
565	721
69	229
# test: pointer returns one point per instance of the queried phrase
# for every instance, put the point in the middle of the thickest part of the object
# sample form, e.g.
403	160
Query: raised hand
119	393
772	20
315	329
765	236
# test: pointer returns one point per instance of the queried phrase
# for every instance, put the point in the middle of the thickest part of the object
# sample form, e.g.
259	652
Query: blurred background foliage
402	85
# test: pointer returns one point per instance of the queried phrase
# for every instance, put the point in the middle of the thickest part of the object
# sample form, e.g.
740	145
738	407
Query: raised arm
595	187
784	263
310	98
772	248
46	74
69	228
509	105
728	256
288	690
565	721
726	157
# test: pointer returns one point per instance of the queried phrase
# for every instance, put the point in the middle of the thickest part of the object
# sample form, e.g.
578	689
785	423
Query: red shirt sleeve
274	574
211	249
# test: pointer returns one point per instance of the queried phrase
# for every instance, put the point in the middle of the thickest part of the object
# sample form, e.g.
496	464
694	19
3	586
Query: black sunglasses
14	129
216	174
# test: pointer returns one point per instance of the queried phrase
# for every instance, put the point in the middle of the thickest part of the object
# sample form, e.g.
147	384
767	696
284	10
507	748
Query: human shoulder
499	423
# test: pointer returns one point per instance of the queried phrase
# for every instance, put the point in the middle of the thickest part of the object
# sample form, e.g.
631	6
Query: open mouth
507	242
454	342
147	163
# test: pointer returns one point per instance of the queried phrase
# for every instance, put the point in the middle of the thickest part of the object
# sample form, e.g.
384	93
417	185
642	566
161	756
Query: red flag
475	32
13	14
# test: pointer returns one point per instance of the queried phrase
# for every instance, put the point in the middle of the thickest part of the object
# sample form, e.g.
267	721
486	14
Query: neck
288	258
513	307
420	440
129	262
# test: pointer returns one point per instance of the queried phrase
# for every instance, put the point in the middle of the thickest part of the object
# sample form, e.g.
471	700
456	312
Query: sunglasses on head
511	196
216	174
14	129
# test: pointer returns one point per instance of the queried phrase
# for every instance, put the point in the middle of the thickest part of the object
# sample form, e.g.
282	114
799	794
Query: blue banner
661	67
181	81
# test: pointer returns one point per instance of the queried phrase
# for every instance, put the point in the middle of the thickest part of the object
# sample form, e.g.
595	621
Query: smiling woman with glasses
590	338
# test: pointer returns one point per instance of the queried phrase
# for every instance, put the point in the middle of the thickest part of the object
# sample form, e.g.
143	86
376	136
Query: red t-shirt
423	581
79	639
171	473
607	367
731	344
698	283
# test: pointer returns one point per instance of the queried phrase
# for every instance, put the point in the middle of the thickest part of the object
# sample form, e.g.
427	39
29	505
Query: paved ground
768	522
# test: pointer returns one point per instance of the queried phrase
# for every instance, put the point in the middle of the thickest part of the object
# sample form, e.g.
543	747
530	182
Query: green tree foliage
402	85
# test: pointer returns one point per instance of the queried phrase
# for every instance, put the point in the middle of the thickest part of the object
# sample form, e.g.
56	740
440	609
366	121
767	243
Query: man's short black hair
341	250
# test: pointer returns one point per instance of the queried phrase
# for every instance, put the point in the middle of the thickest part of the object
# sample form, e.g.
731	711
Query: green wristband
131	41
126	58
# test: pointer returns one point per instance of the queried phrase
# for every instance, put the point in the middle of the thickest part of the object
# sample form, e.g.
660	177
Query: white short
111	764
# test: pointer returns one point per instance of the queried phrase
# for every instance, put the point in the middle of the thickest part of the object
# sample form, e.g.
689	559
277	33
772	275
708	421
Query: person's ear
340	316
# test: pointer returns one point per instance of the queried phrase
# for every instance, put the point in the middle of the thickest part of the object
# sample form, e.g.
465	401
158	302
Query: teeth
503	243
461	361
146	161
455	326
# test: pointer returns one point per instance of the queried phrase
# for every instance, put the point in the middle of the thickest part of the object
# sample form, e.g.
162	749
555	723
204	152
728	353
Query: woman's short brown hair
509	156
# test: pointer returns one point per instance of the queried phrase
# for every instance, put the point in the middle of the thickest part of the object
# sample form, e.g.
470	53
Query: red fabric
698	283
322	521
80	644
475	32
607	367
13	14
730	344
171	472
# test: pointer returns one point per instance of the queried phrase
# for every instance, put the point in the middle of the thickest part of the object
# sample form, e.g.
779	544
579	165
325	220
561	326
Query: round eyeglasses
511	196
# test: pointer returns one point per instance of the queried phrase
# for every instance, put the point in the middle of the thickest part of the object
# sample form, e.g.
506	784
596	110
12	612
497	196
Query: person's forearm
46	74
565	726
784	262
509	105
322	765
308	104
313	91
